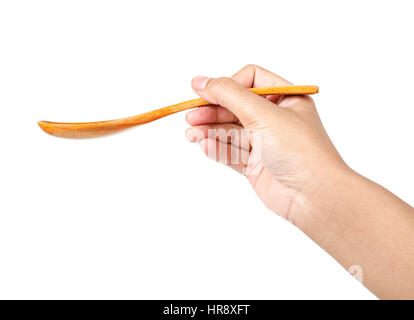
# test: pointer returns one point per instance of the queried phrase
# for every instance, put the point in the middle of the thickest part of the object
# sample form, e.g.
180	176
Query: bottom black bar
195	309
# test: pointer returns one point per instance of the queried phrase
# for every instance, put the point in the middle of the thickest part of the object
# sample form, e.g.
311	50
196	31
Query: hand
277	142
280	145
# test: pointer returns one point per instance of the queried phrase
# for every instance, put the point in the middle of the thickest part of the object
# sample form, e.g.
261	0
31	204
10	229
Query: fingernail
199	83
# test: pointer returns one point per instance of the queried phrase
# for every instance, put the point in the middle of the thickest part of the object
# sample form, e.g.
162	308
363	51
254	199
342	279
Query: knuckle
251	66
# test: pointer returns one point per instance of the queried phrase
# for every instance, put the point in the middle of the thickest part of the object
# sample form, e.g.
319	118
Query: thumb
248	107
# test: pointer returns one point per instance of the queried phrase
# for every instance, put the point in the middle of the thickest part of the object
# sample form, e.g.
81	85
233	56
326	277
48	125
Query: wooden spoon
81	130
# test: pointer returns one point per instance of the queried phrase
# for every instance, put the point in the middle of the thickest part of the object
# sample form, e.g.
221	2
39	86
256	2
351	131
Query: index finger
252	76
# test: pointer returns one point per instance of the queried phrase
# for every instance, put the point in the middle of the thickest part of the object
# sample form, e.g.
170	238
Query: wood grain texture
83	130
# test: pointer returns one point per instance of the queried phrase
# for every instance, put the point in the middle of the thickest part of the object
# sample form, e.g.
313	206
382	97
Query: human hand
280	145
277	142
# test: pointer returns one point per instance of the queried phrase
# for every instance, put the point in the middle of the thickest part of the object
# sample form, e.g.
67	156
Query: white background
144	214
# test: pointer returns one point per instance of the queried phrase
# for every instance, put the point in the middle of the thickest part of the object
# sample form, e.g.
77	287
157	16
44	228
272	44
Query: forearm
360	223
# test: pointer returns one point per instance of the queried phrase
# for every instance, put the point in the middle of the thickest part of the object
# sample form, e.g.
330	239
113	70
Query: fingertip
201	116
194	134
199	83
188	117
189	135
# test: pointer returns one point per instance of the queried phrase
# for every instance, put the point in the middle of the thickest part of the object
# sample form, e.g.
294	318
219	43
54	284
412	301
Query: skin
281	146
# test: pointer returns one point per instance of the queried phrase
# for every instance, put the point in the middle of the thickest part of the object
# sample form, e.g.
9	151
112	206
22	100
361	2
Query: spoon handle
160	113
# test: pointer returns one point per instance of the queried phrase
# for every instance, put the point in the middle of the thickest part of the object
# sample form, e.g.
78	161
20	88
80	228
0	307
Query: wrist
324	205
